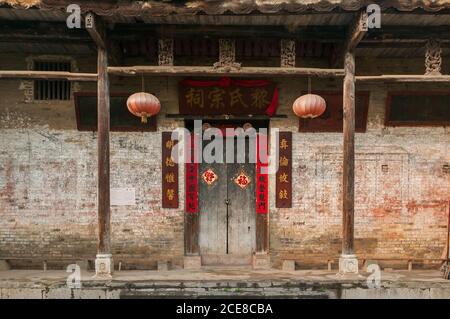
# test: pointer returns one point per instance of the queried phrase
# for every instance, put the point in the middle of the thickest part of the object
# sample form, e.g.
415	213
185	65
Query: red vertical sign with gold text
262	177
169	173
191	176
284	173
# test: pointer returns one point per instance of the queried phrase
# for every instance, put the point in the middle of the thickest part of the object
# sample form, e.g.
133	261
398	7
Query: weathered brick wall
400	213
48	179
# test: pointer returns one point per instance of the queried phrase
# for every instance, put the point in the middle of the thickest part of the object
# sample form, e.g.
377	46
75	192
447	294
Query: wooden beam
98	32
355	33
348	174
57	32
96	29
138	31
48	75
397	43
33	31
403	78
103	154
395	32
211	71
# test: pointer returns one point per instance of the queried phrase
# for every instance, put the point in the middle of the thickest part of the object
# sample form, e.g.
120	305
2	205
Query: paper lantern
143	105
309	106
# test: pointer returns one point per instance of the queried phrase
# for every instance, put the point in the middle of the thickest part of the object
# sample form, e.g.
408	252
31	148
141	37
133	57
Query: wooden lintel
48	75
211	71
225	117
403	78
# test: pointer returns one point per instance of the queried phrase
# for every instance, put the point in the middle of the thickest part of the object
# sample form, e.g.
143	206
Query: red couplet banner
191	178
262	178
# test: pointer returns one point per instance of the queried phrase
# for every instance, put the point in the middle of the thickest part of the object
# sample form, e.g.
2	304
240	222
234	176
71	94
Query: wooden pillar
103	264
349	155
348	262
262	233
192	258
191	234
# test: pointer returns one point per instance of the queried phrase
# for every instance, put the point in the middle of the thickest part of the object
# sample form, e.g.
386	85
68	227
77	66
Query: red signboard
228	96
284	173
169	173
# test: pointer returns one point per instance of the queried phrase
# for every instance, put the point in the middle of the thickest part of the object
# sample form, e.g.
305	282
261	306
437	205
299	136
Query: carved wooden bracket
165	52
287	53
227	55
433	58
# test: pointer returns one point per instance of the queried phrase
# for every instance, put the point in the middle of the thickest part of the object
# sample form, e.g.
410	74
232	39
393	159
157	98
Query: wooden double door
227	218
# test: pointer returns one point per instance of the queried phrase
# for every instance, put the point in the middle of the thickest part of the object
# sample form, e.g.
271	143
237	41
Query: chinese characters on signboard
284	173
234	98
169	173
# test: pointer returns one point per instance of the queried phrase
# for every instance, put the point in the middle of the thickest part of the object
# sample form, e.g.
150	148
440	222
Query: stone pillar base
348	264
104	266
288	265
162	265
261	261
192	262
4	265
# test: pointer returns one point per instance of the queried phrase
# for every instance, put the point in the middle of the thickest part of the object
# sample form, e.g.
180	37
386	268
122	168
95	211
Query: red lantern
143	105
309	106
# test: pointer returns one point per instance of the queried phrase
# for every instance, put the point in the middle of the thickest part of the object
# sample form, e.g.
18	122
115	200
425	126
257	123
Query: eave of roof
219	7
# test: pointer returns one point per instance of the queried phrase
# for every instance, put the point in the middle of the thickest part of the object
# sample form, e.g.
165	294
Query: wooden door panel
241	210
213	210
227	233
242	206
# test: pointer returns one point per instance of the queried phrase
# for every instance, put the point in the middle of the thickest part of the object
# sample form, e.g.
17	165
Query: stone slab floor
224	283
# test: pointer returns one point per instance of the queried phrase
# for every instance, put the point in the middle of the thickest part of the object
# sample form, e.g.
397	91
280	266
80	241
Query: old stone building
49	146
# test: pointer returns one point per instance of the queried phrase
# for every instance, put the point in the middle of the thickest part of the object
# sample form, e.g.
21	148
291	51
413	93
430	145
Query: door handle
227	201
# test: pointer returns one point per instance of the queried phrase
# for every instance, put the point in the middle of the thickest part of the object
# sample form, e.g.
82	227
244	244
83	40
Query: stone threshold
224	283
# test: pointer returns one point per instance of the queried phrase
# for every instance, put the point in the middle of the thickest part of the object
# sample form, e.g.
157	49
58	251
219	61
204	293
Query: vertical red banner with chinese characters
169	173
284	173
262	177
191	175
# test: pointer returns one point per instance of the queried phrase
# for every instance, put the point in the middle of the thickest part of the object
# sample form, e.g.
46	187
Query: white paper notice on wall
123	196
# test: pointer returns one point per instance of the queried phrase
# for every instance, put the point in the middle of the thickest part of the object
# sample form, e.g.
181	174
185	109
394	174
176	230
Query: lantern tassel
144	119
